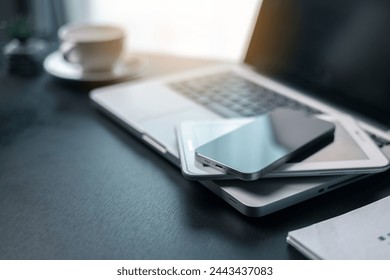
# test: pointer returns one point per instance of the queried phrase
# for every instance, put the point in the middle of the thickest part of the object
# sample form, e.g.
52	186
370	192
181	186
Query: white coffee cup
95	47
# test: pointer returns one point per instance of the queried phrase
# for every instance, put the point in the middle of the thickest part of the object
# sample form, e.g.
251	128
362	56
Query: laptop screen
337	50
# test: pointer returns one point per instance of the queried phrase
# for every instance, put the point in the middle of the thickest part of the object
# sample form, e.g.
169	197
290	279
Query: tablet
253	150
352	150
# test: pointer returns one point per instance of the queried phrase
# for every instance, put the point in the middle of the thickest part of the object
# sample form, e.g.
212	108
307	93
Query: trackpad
162	128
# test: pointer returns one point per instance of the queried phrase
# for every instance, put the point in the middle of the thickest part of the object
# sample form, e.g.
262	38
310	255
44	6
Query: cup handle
66	50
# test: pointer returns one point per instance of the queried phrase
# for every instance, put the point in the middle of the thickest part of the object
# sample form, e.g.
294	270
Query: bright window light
217	29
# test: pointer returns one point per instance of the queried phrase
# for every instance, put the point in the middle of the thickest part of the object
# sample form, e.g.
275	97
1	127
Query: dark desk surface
73	185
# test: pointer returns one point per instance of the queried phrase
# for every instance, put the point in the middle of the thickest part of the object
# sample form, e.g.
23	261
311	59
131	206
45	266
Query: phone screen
270	140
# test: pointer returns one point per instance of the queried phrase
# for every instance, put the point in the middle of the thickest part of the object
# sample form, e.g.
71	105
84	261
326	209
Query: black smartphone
258	147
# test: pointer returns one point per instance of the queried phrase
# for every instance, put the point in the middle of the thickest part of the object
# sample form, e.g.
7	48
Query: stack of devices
282	143
327	60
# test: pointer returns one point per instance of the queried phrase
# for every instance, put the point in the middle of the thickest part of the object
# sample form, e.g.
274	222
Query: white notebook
363	233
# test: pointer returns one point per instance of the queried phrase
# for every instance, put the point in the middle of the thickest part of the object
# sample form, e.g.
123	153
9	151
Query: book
363	233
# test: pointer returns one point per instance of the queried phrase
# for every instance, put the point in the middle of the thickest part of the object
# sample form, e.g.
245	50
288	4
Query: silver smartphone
255	149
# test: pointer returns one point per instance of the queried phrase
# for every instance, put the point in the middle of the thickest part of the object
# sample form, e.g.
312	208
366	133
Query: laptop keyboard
231	96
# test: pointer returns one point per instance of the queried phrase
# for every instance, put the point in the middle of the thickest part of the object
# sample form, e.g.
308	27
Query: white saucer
125	68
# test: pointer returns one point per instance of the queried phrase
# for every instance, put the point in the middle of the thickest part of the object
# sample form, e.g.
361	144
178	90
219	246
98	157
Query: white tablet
352	151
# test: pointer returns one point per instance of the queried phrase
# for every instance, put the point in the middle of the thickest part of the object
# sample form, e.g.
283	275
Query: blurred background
196	28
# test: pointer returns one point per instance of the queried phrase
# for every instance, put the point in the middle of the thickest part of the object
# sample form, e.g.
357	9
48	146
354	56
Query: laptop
317	56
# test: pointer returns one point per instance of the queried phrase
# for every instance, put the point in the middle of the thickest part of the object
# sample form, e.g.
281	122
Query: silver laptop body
151	109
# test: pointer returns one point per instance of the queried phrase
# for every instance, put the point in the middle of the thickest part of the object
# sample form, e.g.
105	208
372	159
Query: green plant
19	28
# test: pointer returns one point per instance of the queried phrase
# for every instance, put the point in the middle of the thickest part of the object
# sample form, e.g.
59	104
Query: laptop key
248	113
203	100
261	110
223	111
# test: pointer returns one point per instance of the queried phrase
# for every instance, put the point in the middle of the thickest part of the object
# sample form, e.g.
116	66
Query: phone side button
154	144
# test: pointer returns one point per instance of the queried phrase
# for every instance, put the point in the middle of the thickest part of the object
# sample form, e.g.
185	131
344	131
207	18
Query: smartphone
255	149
